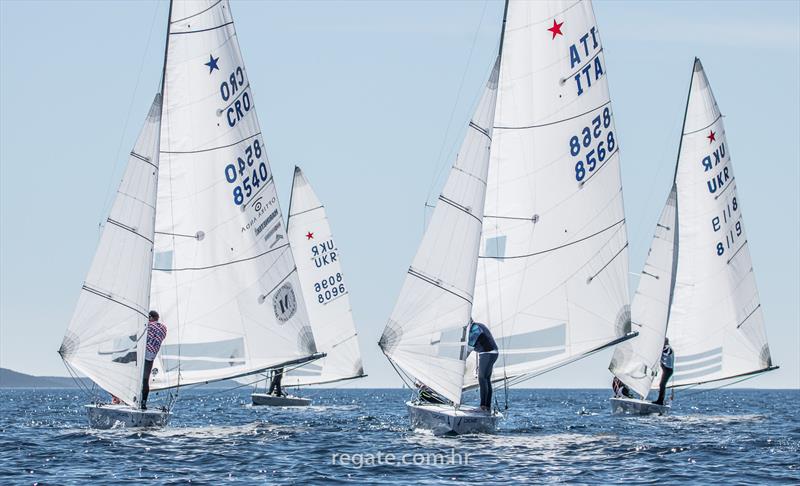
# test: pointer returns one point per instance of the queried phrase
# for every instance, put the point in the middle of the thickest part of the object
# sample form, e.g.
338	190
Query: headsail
552	276
104	338
225	281
324	288
425	334
636	362
716	326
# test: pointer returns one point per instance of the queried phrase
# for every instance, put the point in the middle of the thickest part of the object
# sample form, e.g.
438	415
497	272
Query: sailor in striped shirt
156	332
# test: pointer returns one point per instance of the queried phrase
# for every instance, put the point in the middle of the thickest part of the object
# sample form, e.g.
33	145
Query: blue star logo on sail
212	63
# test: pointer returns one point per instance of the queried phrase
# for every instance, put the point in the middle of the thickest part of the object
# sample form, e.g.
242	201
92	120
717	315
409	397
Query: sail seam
433	282
128	228
733	179
241	92
556	247
202	30
212	148
736	252
198	13
608	159
748	316
222	264
112	299
458	206
609	262
555	122
564	80
306	211
705	127
143	159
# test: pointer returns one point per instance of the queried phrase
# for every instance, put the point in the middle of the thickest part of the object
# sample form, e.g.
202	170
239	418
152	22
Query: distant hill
14	379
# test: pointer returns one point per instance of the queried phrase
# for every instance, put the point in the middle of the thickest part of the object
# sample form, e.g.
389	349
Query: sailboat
326	295
528	235
698	286
195	232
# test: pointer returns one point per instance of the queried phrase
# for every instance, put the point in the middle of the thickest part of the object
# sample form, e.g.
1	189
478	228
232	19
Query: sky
372	99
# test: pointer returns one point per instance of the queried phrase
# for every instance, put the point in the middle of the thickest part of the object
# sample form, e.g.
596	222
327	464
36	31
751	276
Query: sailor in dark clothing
275	384
620	389
480	338
667	365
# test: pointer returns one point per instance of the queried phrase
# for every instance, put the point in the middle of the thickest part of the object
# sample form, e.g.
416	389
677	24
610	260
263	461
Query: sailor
667	365
426	394
480	338
620	389
275	384
156	332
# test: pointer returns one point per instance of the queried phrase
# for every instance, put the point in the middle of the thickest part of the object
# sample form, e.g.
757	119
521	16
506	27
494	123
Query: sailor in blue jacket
480	338
667	366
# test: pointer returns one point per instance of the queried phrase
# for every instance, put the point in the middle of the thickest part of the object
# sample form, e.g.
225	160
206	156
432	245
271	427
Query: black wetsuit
276	383
667	363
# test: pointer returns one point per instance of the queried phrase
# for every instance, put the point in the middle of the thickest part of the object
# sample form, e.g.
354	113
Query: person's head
153	316
666	341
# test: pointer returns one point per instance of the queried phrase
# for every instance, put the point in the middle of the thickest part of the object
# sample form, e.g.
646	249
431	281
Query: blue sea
349	436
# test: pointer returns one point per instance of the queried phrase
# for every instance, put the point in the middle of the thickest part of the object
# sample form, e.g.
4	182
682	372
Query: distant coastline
14	379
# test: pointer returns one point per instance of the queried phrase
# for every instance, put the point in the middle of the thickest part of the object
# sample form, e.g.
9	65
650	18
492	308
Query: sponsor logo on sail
284	302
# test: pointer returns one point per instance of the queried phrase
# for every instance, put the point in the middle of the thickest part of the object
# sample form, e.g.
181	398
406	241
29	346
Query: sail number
247	173
590	160
733	230
329	288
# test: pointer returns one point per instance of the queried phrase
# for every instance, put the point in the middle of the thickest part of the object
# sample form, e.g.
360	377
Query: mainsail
325	290
225	281
425	334
195	232
716	326
636	362
104	340
552	277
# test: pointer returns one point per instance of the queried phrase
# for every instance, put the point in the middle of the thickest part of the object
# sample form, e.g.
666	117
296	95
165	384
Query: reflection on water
547	435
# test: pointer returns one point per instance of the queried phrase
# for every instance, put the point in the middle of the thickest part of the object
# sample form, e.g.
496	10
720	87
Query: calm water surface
724	436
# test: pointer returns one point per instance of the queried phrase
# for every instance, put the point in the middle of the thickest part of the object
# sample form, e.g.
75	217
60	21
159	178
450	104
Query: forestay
552	276
637	362
104	338
325	290
426	331
716	326
225	281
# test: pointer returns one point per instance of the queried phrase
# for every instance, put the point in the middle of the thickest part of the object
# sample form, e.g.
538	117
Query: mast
683	126
166	50
503	30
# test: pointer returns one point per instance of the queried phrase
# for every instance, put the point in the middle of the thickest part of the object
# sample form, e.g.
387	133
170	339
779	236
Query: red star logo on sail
712	137
556	28
309	235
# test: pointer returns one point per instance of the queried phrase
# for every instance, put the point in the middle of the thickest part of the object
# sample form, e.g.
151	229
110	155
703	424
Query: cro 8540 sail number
247	173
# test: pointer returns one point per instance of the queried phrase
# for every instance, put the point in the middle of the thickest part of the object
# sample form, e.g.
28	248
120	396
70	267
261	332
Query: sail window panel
511	359
697	374
495	247
680	368
163	260
555	336
698	356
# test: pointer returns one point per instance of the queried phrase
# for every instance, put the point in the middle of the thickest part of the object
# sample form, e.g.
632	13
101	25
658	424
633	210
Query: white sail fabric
716	327
225	282
552	276
636	362
426	332
104	338
325	290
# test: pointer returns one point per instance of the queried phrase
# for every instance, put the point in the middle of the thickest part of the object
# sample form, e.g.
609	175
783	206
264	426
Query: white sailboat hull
444	419
114	416
264	399
632	406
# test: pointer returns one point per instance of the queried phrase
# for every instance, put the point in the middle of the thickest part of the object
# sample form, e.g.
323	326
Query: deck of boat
634	406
